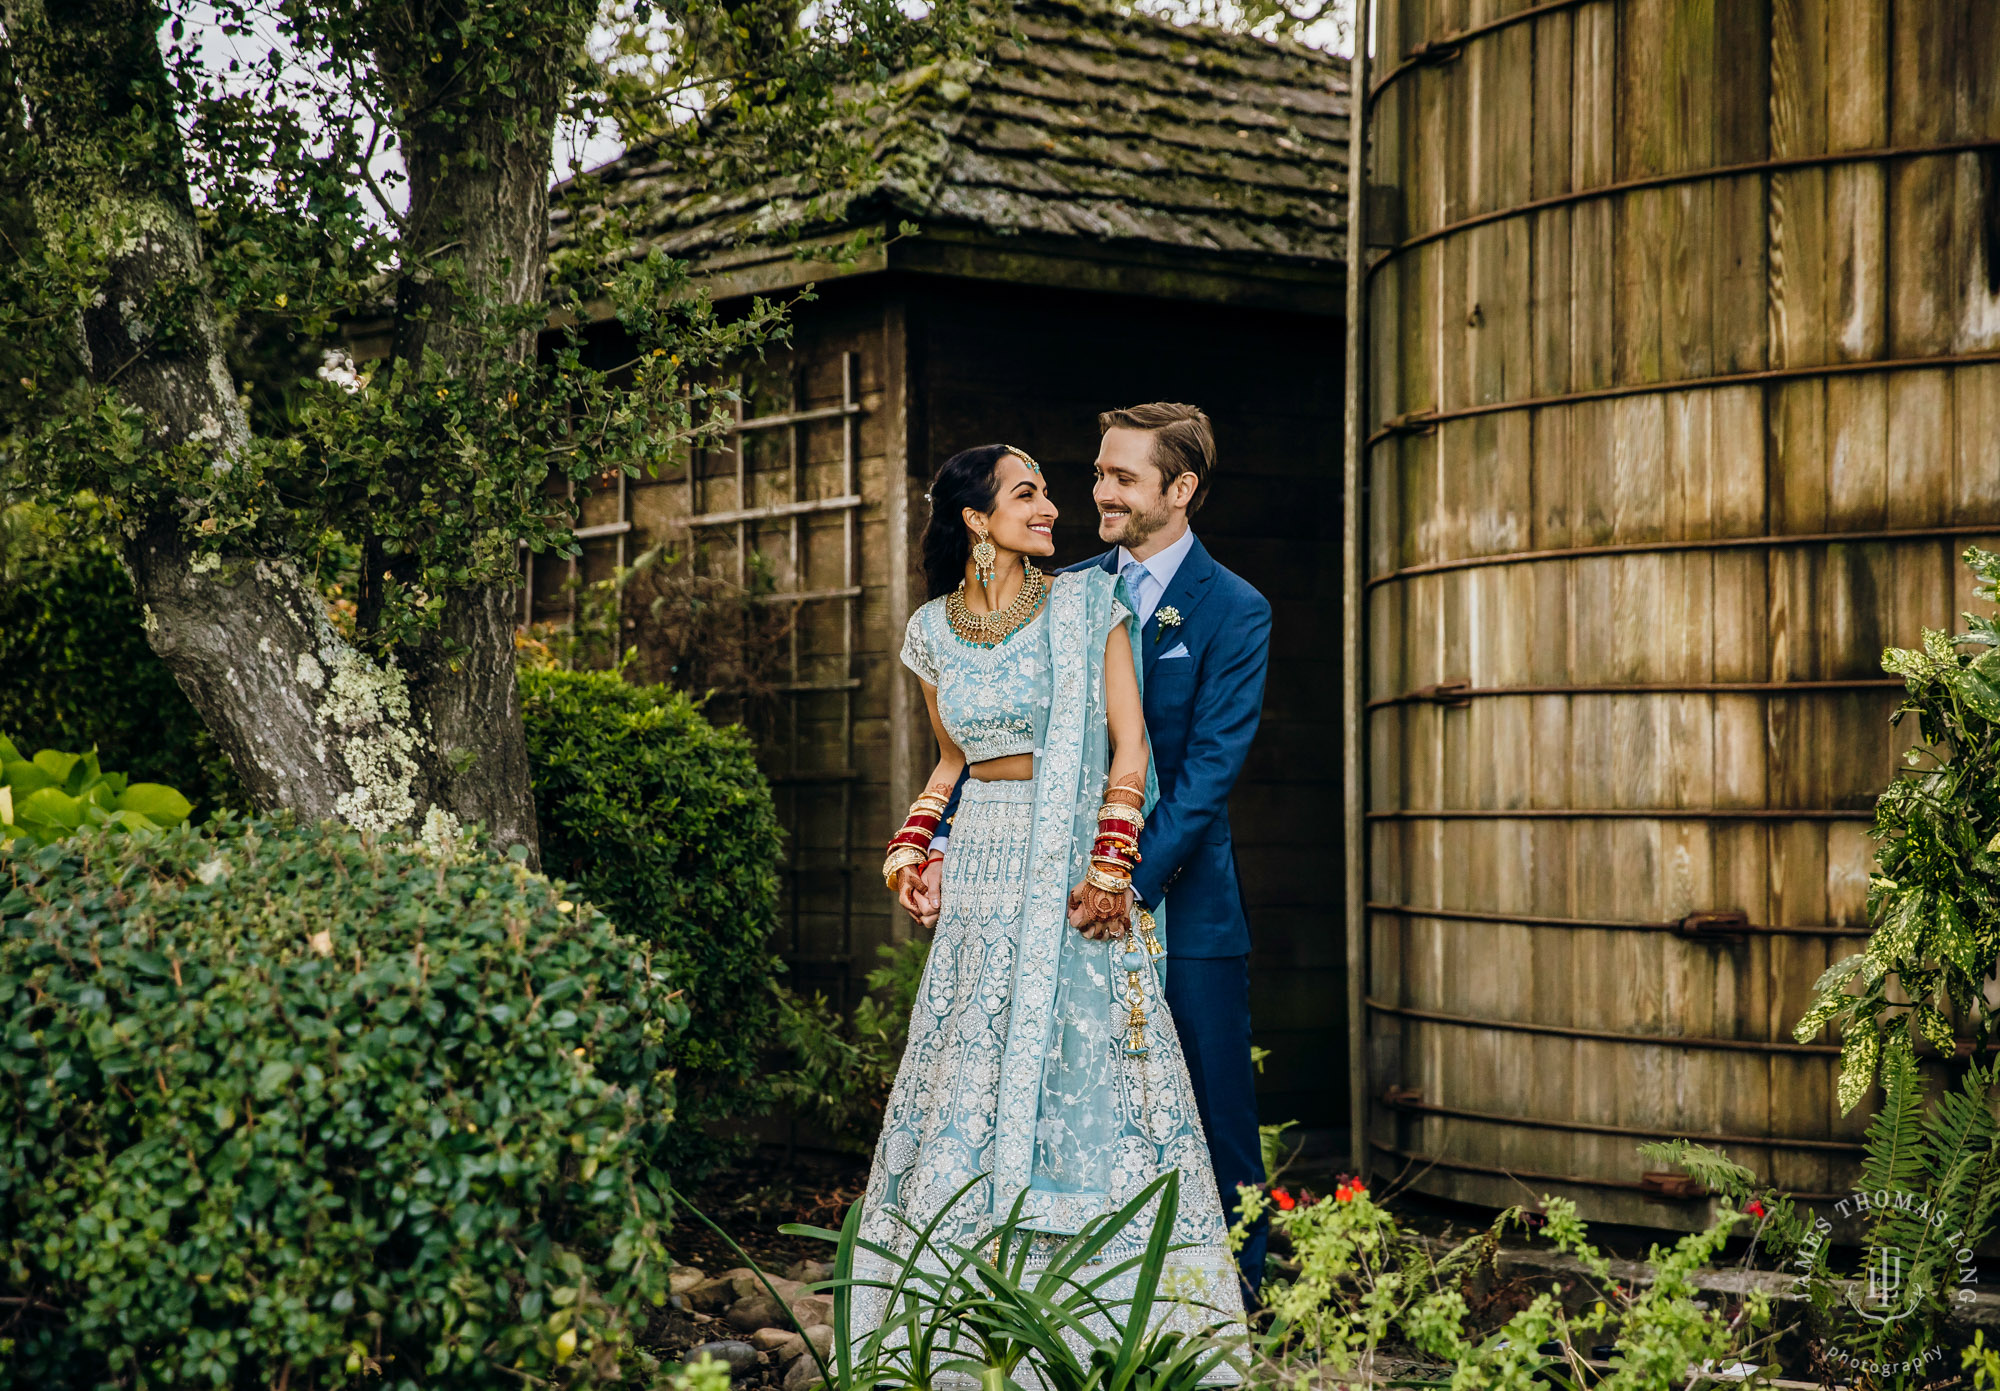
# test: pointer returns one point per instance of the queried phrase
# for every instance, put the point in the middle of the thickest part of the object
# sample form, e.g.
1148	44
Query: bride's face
1023	520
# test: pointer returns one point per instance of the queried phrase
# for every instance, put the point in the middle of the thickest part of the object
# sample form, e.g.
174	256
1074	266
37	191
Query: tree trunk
310	721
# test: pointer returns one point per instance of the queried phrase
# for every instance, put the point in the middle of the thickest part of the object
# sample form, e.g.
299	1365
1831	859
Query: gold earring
983	556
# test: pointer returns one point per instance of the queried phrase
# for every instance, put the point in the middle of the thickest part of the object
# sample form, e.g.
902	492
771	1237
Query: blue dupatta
1059	1126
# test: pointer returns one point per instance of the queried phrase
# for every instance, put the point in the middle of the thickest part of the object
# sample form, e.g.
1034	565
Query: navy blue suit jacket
1202	711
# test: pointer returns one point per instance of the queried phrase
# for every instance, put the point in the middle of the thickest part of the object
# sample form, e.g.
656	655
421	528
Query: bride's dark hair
968	479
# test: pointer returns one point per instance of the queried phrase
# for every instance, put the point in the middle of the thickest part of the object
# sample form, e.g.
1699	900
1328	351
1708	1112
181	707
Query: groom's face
1131	502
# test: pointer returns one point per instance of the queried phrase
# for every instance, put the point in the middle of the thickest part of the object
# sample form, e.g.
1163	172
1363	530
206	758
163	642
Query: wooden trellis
783	763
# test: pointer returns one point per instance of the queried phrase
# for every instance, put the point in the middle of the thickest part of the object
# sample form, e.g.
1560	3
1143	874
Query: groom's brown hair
1182	441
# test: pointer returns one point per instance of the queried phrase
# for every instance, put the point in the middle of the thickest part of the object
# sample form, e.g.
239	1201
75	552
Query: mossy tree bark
311	721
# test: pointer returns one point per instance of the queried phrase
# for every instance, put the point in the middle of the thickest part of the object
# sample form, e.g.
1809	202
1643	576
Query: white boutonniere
1169	616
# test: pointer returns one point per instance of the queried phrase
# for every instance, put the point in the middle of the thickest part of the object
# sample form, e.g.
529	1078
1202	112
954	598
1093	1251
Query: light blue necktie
1136	575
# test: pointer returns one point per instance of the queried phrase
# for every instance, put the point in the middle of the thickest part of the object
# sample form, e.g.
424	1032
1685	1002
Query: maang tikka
983	558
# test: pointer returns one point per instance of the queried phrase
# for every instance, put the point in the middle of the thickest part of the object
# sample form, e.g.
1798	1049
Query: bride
1040	1054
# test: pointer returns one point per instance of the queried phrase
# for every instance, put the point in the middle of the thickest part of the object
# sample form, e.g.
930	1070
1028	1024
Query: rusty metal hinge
1672	1185
1715	922
1451	693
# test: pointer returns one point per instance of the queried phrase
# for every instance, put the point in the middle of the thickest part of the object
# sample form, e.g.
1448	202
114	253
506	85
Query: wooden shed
1684	397
1115	210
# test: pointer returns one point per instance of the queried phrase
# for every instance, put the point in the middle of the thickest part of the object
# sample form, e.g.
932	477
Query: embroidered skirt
946	1107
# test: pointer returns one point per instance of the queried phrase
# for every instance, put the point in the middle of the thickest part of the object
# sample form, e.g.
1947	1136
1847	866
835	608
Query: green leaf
57	765
8	753
270	1077
156	802
1980	695
25	777
50	809
1859	1052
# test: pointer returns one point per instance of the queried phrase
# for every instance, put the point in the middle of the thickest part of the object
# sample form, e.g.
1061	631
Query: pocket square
1179	649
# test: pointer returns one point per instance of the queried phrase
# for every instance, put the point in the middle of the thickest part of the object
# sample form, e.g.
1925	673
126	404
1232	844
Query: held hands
921	891
1101	906
1099	915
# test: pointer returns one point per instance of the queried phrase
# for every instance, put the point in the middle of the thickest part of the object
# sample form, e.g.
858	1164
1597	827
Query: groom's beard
1135	527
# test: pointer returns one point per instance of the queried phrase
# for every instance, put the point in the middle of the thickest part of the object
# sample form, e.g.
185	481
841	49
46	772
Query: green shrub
664	821
76	672
842	1069
57	794
306	1107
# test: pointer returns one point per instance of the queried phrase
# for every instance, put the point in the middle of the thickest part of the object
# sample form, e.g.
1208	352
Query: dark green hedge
76	672
309	1108
665	822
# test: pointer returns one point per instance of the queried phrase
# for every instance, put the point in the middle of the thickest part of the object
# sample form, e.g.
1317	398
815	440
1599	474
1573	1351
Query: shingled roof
1102	126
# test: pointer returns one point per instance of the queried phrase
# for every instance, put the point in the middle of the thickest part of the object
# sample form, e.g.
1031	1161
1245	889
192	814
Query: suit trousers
1210	1001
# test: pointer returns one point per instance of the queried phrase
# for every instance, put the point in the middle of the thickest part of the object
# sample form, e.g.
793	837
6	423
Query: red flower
1284	1200
1755	1208
1343	1194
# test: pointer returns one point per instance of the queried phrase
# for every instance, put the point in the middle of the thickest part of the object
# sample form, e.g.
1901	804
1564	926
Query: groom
1207	637
1207	640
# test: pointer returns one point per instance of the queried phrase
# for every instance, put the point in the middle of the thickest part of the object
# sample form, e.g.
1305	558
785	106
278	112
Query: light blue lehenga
1017	1065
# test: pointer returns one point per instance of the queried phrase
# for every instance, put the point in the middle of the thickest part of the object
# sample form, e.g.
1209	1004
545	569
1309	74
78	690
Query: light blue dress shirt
1160	572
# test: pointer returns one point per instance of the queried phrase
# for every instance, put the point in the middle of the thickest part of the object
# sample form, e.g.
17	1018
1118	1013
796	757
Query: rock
683	1278
813	1308
803	1375
791	1348
748	1286
820	1335
756	1311
808	1272
738	1357
769	1339
712	1296
680	1302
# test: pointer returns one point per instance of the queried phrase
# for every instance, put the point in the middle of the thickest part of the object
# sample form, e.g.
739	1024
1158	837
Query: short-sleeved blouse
994	701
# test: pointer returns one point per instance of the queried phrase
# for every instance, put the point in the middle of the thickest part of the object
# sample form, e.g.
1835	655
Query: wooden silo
1114	209
1684	397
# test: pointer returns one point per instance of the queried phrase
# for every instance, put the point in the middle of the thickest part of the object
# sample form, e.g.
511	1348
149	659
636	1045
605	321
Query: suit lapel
1191	585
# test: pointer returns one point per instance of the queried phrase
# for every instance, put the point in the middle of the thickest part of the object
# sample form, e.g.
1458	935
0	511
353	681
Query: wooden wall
824	739
1033	368
1635	415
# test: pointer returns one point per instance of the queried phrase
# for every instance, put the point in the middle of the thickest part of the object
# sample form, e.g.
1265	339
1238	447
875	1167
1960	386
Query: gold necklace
992	629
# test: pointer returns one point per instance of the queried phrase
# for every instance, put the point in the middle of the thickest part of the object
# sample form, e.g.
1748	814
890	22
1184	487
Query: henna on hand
1099	915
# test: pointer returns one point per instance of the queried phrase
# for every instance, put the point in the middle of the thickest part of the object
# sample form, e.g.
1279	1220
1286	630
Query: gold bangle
1122	814
1111	792
1098	879
901	858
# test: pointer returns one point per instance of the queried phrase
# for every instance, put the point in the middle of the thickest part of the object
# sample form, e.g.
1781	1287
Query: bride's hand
913	894
1100	916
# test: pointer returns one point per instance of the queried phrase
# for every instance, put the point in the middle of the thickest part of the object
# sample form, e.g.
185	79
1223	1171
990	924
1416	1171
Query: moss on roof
1099	126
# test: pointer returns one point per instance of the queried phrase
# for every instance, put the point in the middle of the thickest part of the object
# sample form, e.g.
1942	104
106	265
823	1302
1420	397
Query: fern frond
1713	1169
1940	1175
1894	1135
